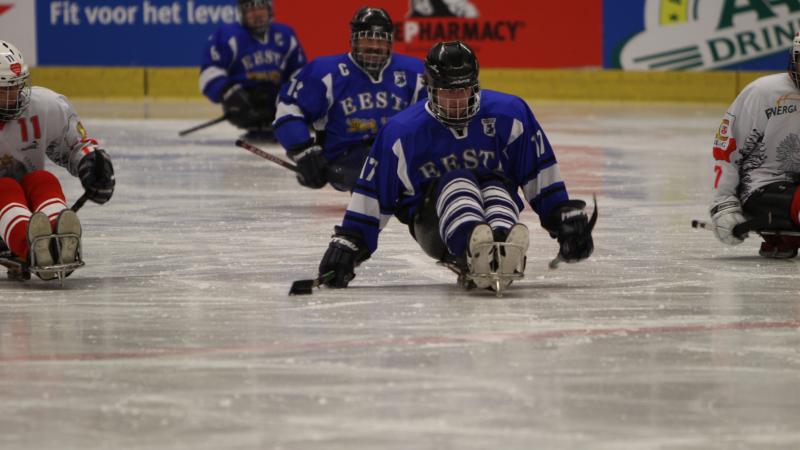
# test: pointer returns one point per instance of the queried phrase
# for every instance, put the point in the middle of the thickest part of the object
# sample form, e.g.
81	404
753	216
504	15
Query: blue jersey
234	56
337	99
414	149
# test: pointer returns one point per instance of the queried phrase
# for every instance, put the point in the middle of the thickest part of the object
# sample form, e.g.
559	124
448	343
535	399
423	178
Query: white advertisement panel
18	26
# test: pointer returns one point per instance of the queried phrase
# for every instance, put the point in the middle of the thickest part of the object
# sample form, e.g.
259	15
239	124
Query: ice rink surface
179	332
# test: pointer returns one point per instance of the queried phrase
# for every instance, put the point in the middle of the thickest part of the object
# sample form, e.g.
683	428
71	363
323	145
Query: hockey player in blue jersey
451	168
330	112
245	64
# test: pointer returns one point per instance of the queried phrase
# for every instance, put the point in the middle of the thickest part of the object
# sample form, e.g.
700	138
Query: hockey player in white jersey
330	112
452	168
756	154
36	122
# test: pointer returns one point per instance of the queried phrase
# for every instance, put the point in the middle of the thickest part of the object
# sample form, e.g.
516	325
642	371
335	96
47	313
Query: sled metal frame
497	281
21	270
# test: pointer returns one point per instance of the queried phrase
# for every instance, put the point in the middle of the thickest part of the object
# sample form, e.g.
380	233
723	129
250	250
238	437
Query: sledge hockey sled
19	270
498	281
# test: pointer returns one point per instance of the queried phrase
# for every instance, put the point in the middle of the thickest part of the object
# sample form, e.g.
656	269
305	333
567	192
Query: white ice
179	332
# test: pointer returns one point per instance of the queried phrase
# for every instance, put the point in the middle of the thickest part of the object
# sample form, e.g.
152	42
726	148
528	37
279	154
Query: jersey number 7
369	165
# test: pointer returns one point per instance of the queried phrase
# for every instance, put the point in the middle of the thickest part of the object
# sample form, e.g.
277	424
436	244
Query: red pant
38	191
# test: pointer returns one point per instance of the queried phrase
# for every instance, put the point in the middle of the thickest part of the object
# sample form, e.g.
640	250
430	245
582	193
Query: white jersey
49	127
758	142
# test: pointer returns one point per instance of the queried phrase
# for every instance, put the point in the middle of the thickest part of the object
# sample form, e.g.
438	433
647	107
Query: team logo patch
722	132
488	126
400	79
362	126
16	68
724	144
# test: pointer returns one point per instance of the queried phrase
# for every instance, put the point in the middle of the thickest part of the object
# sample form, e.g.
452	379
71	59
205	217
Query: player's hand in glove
310	165
97	176
726	216
239	108
573	229
346	250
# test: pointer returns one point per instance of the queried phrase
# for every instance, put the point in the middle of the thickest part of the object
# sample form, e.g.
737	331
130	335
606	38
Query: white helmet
15	83
794	61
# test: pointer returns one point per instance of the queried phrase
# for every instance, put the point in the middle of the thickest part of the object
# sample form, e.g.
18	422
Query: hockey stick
334	175
80	202
257	151
306	287
202	125
559	259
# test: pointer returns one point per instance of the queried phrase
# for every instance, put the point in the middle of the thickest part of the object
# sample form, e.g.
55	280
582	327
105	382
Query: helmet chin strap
260	32
373	70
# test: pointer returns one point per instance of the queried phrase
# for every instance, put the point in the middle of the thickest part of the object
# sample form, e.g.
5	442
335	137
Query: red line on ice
496	337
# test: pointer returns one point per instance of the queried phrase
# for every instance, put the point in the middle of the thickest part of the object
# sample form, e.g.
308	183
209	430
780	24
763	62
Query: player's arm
73	149
295	58
372	204
545	191
418	86
302	101
218	57
741	129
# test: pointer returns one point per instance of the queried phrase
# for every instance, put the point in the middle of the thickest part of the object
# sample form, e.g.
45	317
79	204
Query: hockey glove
726	216
97	176
573	229
239	108
311	165
346	250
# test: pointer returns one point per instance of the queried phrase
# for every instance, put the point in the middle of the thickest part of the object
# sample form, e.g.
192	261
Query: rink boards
616	85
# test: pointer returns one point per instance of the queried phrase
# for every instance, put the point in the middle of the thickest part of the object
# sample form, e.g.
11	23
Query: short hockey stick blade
306	287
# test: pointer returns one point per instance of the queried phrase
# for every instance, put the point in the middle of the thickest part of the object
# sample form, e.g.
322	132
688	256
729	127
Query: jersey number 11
23	127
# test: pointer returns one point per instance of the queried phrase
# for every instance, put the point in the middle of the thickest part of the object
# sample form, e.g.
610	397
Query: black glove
310	165
346	250
573	229
239	108
97	176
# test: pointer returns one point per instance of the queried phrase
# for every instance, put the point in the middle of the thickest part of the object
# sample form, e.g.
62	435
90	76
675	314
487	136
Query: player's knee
457	183
794	209
8	183
37	177
10	191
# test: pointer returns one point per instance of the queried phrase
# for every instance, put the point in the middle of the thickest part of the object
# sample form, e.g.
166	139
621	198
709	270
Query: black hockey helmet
453	67
372	24
794	61
244	5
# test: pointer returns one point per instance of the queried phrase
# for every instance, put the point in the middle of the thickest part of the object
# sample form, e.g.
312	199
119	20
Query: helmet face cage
371	58
246	5
451	78
15	83
371	39
794	61
455	106
15	96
